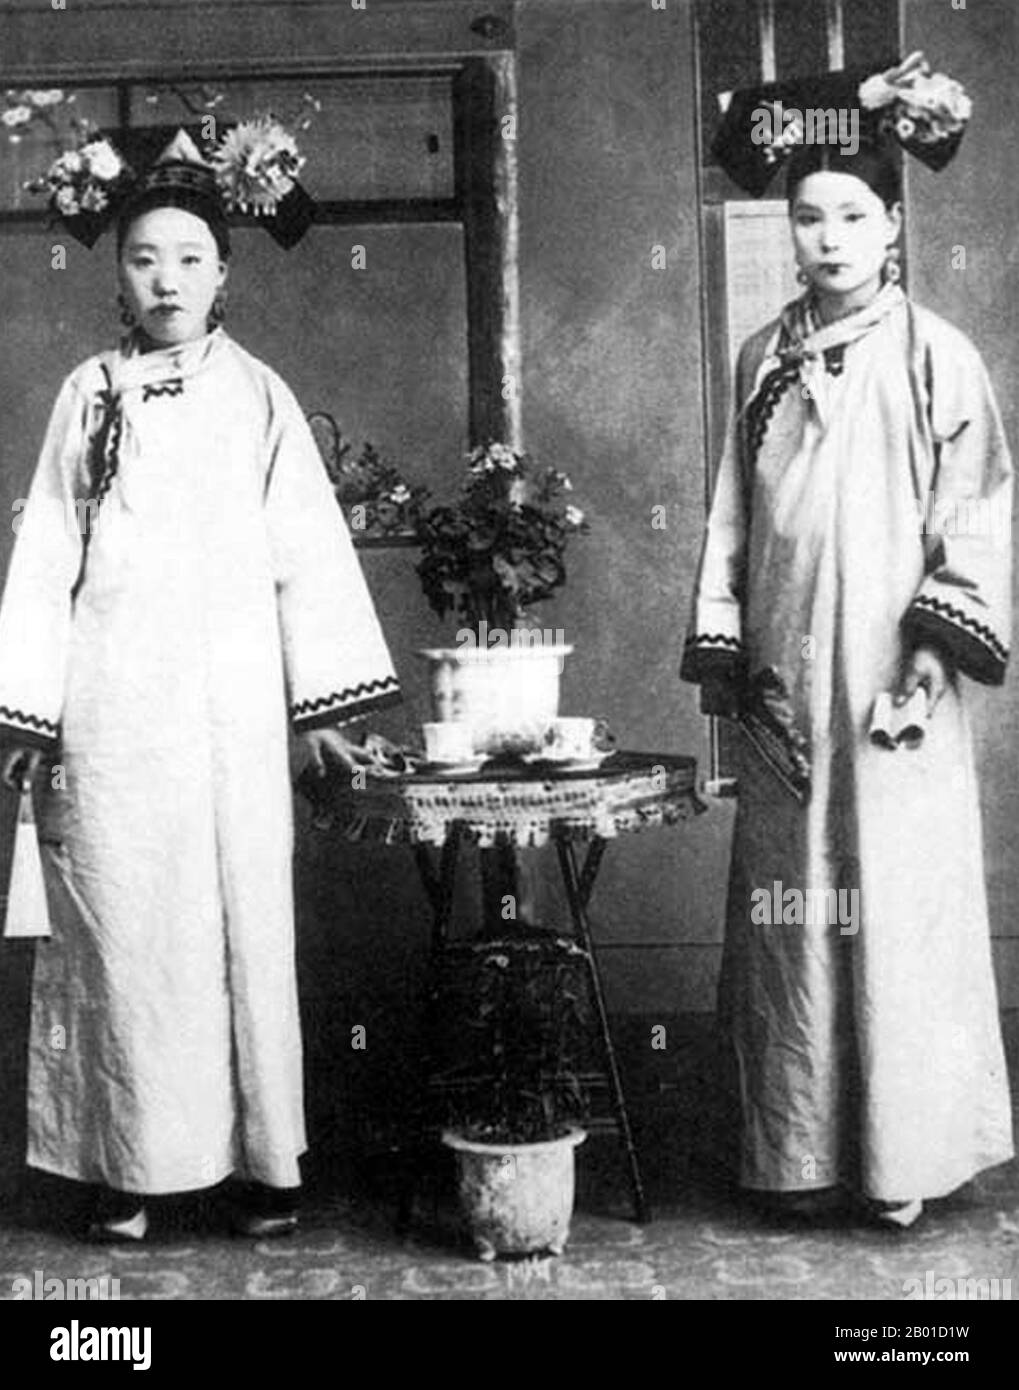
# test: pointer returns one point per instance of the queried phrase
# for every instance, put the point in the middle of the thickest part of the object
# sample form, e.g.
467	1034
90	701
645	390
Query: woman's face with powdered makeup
170	271
842	230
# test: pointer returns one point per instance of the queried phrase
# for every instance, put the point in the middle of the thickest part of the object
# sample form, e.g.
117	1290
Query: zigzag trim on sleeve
959	618
711	640
34	726
348	704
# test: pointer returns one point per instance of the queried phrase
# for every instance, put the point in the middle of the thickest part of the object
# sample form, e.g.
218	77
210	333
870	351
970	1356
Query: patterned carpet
704	1242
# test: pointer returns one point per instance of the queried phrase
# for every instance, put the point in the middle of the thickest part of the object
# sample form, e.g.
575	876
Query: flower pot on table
509	694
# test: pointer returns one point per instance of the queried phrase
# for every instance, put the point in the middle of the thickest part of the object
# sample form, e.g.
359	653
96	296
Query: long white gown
871	1057
159	660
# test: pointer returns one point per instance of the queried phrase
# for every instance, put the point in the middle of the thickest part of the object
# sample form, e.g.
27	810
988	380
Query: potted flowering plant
515	1023
487	558
499	548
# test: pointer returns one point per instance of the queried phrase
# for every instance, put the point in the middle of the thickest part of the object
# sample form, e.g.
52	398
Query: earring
802	276
892	271
126	314
218	311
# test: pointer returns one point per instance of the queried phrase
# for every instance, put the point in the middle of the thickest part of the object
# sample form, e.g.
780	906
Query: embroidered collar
162	371
803	336
802	348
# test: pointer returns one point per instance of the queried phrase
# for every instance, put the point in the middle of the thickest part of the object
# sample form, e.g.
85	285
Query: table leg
578	891
439	886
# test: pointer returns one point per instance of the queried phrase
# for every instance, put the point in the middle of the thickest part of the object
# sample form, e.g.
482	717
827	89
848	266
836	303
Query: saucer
458	769
585	764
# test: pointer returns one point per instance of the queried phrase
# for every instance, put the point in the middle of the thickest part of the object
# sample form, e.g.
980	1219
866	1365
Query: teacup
448	741
570	738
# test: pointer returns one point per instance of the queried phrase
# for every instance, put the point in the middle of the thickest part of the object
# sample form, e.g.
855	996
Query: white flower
103	160
574	516
69	164
66	201
16	115
52	96
400	494
905	129
256	164
93	199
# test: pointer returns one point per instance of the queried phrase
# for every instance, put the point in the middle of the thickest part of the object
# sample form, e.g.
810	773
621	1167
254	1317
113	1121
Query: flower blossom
103	160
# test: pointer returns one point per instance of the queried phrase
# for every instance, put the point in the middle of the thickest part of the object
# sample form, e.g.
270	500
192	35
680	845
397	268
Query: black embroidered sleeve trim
712	654
346	705
32	727
971	644
763	406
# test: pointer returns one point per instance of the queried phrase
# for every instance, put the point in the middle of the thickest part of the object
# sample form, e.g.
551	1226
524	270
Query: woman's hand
927	668
19	767
323	749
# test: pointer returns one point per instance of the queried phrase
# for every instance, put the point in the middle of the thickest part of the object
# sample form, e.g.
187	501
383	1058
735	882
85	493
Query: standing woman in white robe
858	542
156	661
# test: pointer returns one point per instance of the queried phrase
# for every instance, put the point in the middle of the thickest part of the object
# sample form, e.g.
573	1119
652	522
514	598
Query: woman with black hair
183	588
857	546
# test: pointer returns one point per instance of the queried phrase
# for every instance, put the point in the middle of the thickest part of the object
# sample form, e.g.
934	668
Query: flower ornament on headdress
779	143
256	165
252	168
926	112
905	106
83	180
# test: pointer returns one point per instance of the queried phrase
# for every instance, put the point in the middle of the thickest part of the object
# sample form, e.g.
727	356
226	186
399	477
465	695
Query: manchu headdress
852	121
109	178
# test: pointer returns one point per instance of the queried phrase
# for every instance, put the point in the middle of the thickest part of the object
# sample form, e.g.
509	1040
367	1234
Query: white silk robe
874	1057
217	598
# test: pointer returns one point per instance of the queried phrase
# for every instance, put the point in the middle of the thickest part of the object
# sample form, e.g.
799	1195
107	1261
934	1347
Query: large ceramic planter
508	694
517	1199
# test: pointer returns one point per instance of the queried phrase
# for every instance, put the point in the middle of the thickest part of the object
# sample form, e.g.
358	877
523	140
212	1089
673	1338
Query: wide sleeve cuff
18	726
708	654
974	647
345	706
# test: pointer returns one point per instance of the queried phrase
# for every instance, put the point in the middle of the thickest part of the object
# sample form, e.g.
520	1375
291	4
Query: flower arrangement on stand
376	499
500	547
487	558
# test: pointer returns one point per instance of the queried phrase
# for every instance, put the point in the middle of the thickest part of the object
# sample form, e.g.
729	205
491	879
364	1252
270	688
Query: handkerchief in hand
892	726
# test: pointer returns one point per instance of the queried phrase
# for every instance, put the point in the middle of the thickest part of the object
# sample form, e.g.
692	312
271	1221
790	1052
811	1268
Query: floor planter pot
508	693
517	1199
